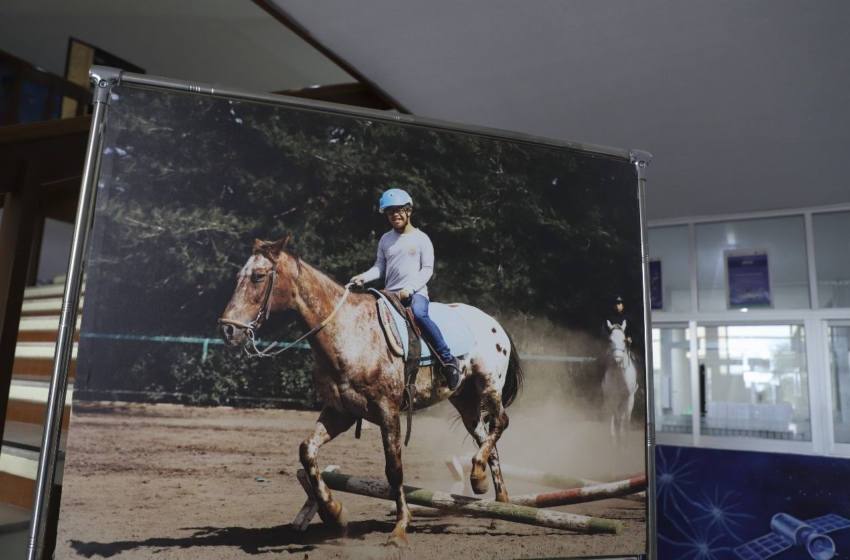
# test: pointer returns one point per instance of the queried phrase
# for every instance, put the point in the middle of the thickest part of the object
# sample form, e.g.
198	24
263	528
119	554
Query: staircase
25	416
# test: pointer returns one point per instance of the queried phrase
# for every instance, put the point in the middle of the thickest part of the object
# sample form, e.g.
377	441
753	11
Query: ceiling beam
276	12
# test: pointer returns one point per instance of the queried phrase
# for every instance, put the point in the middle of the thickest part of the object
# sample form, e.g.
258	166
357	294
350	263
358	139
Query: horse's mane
272	250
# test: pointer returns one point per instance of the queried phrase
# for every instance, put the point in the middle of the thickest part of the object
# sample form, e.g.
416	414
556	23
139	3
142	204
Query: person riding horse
406	261
620	316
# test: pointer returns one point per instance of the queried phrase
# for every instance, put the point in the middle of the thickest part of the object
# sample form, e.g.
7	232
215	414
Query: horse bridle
265	308
263	314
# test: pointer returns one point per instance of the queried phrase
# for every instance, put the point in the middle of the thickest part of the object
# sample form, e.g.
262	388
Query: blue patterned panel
763	547
829	523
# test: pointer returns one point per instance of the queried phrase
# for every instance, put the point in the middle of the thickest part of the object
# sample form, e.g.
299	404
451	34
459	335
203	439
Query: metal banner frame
105	79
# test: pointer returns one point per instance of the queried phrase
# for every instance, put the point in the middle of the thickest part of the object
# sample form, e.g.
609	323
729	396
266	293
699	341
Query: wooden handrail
44	78
45	129
56	87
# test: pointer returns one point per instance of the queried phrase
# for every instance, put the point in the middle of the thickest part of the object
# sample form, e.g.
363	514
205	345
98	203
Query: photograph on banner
232	337
747	279
656	288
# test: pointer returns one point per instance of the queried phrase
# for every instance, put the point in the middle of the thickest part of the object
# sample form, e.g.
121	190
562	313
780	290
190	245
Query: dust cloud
557	424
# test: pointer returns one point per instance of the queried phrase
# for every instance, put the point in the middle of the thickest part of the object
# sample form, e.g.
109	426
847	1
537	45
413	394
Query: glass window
672	380
831	233
33	102
839	367
784	242
7	94
669	245
753	381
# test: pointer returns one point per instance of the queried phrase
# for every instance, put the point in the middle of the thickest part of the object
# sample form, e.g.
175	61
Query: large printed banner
742	505
224	227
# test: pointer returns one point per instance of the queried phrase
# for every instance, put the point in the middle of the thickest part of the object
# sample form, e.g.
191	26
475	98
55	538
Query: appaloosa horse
358	377
620	383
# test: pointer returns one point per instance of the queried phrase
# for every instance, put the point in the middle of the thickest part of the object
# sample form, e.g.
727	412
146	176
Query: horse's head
263	285
617	340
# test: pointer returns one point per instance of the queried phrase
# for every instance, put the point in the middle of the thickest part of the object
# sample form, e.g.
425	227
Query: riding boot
451	371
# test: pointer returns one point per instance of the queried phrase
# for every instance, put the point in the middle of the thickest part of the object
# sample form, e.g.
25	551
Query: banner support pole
641	160
103	79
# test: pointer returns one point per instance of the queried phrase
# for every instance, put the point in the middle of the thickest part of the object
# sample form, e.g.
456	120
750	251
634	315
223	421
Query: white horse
620	383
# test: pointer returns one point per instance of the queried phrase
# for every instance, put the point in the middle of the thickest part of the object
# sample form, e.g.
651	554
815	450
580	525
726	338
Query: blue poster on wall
748	280
743	505
656	295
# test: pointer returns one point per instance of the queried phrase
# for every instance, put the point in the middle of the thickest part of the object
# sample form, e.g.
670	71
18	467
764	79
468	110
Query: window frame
815	321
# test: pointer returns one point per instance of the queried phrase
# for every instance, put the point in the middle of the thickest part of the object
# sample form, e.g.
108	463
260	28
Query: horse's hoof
342	516
398	539
334	516
479	483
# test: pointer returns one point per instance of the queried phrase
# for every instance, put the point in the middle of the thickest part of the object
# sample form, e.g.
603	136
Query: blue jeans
429	328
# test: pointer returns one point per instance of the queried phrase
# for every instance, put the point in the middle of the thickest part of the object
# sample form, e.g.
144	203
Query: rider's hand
629	340
358	280
404	295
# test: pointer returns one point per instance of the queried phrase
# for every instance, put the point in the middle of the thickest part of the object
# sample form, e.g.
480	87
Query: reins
263	313
264	353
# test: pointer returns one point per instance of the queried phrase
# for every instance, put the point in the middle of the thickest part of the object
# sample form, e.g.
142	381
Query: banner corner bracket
641	160
104	78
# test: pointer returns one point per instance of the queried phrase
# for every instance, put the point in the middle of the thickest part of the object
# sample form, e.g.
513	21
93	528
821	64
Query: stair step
49	290
35	391
14	530
41	369
28	402
19	465
25	436
14	518
34	360
18	470
19	462
39	351
44	306
42	329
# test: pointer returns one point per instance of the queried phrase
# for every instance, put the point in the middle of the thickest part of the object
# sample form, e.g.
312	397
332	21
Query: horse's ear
610	326
278	246
258	244
623	326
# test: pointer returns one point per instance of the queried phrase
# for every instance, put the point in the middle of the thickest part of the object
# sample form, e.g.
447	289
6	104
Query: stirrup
451	371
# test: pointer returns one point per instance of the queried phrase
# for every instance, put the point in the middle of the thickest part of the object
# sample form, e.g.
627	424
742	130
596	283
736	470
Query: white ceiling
228	42
743	104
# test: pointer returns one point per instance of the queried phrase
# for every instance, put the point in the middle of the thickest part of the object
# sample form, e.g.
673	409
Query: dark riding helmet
618	299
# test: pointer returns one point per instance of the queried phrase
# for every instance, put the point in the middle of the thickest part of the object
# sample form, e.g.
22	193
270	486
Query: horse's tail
514	377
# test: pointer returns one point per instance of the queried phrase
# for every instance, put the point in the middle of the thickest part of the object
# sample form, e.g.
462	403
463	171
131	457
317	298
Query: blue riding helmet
394	197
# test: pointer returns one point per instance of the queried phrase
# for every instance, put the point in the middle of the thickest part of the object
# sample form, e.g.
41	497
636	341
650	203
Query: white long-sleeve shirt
406	261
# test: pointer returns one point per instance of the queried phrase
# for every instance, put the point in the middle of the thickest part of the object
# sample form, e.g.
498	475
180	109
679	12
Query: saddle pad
454	329
388	323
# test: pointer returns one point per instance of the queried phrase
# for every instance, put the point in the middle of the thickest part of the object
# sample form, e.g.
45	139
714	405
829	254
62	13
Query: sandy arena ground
167	481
